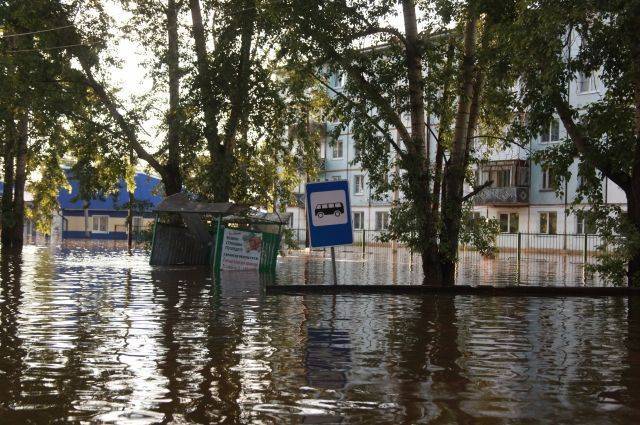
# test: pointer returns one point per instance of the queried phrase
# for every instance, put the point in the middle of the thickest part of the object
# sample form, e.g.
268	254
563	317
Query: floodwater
88	334
381	265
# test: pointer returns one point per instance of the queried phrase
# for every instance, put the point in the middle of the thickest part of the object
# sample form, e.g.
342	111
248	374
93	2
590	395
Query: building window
137	224
358	220
336	178
475	216
549	223
547	179
337	149
485	177
586	82
584	224
100	223
509	222
503	178
358	184
551	133
382	220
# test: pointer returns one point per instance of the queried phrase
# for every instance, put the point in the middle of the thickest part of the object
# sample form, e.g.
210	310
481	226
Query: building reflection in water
94	335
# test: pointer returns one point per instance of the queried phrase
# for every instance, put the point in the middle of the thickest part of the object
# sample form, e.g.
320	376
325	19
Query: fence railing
520	245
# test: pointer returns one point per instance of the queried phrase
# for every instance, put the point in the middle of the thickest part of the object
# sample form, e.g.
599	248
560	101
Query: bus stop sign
329	214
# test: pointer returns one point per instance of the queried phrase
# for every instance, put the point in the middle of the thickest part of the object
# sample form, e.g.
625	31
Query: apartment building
338	163
520	198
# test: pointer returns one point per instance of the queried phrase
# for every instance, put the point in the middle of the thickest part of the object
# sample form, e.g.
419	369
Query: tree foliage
559	41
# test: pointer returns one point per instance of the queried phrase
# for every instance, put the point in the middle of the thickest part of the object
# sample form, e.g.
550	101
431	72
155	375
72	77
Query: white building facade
520	197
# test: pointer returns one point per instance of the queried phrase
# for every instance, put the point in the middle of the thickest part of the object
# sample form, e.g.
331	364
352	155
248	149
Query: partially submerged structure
224	235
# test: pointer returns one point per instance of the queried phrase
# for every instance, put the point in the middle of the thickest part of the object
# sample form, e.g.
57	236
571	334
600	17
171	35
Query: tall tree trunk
17	237
445	121
633	192
456	169
413	59
9	177
208	102
633	213
239	110
173	183
417	162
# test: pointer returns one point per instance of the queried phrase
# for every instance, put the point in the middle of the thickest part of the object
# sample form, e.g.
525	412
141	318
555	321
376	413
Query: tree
604	135
435	74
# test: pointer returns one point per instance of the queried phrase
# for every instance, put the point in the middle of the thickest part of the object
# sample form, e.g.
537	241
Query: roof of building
180	203
145	191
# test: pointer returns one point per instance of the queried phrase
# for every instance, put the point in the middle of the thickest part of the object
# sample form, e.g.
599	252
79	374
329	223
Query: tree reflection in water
95	335
12	352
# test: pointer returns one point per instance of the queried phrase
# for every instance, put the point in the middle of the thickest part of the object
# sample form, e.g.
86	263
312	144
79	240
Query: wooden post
333	265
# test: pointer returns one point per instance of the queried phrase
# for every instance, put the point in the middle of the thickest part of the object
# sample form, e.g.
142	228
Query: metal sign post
329	217
333	265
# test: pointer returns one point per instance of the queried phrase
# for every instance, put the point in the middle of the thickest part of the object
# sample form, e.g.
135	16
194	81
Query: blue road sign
329	214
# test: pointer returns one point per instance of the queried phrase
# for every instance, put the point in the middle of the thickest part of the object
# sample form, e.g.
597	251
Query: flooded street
91	334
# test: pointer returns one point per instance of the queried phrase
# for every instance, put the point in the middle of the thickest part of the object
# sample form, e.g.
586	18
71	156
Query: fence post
585	250
363	242
519	248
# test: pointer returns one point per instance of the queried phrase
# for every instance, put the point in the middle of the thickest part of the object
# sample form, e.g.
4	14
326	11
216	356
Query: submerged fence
586	247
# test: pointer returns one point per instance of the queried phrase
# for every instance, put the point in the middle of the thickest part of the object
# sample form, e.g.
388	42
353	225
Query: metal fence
586	247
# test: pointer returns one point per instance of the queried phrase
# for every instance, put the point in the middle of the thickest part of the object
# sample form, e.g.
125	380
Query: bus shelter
225	236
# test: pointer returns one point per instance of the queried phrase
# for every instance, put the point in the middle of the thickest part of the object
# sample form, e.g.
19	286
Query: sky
130	77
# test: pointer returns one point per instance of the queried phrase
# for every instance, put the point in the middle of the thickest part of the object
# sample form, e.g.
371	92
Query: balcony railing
502	196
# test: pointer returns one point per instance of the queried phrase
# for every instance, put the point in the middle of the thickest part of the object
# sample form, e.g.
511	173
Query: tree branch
373	30
389	139
373	93
581	142
504	139
477	190
125	126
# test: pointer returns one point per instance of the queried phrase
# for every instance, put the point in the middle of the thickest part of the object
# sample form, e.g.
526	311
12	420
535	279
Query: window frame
582	223
334	149
591	80
501	173
548	215
384	223
547	178
133	223
355	184
360	222
510	222
547	134
99	217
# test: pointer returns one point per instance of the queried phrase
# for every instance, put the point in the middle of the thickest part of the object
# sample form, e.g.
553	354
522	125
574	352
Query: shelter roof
180	203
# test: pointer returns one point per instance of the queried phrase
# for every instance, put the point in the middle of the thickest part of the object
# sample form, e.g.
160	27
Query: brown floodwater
88	334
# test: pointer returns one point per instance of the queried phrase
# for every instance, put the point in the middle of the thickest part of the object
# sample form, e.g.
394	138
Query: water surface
90	334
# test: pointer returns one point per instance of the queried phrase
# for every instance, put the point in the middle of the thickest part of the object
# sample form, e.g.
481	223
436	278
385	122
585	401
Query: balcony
502	196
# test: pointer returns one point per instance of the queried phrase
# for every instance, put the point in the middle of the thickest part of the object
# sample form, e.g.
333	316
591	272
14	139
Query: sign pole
333	265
